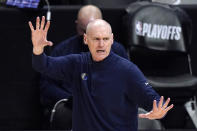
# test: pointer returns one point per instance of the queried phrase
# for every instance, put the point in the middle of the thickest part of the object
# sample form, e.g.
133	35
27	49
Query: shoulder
75	59
129	71
126	65
117	45
123	62
78	58
121	59
119	49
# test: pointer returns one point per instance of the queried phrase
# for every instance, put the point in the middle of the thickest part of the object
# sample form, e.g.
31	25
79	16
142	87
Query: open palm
39	35
159	111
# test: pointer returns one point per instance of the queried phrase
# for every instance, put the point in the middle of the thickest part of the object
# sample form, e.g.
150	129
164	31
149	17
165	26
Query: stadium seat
158	37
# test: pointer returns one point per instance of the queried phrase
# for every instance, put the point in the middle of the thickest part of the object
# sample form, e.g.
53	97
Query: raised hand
39	35
159	111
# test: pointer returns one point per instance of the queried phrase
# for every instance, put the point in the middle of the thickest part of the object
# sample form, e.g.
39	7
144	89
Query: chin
99	58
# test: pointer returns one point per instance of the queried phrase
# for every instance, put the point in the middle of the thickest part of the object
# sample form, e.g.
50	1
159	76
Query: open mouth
100	51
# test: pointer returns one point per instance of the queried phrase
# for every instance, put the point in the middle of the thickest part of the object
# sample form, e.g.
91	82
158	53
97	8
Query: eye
96	39
105	39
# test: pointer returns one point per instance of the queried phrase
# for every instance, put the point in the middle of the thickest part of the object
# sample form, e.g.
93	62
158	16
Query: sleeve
59	68
119	50
52	90
139	90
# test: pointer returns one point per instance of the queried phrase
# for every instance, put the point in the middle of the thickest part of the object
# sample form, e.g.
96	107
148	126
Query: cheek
109	45
91	47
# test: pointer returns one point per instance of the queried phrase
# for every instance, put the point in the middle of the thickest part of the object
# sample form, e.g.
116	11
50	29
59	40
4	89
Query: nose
101	43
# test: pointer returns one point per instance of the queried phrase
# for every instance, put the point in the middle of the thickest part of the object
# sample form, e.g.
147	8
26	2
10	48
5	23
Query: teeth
100	50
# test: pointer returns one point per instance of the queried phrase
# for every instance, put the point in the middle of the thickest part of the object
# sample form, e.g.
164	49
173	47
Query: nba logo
138	28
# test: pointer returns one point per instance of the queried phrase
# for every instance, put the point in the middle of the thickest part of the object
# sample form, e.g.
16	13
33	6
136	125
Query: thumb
142	115
48	43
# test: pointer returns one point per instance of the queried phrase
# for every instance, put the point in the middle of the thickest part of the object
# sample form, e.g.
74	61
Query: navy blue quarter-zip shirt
53	90
106	94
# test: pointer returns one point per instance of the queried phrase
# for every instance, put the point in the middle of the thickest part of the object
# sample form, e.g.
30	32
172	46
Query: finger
147	115
42	22
166	103
154	105
169	108
142	115
47	26
50	43
161	102
31	26
37	23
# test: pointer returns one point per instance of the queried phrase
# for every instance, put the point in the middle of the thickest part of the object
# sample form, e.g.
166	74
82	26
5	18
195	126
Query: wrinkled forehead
100	32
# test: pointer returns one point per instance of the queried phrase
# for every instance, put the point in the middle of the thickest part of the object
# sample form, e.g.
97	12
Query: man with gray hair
108	89
52	90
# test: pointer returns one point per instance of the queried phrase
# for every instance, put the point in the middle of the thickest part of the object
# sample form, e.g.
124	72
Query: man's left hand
159	111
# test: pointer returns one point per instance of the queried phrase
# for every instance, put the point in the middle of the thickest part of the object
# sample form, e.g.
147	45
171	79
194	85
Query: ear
85	39
112	38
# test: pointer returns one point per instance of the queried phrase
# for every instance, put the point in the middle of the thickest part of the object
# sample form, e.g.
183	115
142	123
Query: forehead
99	31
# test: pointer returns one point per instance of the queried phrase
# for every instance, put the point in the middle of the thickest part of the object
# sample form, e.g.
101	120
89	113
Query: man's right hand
39	35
